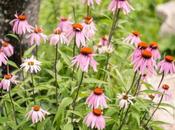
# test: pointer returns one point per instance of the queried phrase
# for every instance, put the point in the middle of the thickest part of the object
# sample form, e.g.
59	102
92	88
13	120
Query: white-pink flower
125	100
77	33
154	48
58	37
97	99
95	119
7	48
7	81
3	58
65	24
89	28
20	24
91	2
133	38
85	59
37	114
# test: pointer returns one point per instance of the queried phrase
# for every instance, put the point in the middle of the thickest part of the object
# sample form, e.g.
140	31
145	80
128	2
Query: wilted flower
144	63
154	48
120	4
3	58
95	119
133	38
125	100
20	24
37	36
85	59
31	65
7	81
91	2
7	48
97	99
37	114
167	65
89	27
58	37
65	24
77	32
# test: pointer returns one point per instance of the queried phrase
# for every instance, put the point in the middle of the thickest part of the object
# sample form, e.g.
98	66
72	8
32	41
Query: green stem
32	80
88	10
132	84
13	108
36	52
56	83
163	75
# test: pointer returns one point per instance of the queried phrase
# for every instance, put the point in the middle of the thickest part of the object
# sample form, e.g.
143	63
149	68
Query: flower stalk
56	83
33	90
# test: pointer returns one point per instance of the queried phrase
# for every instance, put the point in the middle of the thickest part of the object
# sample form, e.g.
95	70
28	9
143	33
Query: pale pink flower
97	99
91	2
125	100
167	65
3	58
85	59
168	94
7	48
77	33
154	48
37	114
31	65
144	63
133	38
37	36
58	37
95	119
120	4
7	81
20	24
89	27
65	24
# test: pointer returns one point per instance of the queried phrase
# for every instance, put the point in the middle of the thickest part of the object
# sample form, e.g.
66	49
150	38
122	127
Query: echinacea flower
85	59
77	33
125	100
144	63
167	66
89	27
58	37
20	24
120	4
154	48
168	94
37	114
31	65
7	81
65	24
37	36
97	99
3	58
103	46
91	2
7	48
95	119
133	38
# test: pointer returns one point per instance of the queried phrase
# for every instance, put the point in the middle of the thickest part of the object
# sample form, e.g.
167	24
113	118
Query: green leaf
68	127
11	63
13	36
29	51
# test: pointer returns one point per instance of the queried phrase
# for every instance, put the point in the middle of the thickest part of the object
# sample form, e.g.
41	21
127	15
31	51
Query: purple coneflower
133	38
95	119
7	48
37	114
91	2
20	24
37	36
58	37
85	59
120	4
65	24
167	66
97	99
154	48
167	92
125	100
3	58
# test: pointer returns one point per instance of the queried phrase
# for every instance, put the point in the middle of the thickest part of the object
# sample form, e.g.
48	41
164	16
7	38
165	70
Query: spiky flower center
31	63
98	91
36	108
8	76
151	96
86	51
57	31
38	30
146	54
97	112
88	19
169	59
135	33
142	45
154	45
64	19
22	17
5	44
125	97
77	27
165	87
